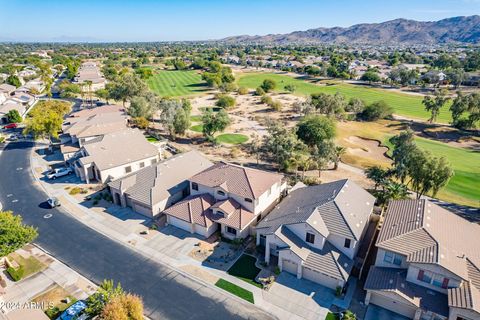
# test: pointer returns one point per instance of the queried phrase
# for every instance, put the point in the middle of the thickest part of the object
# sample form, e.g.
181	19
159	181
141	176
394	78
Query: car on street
53	202
59	172
74	312
10	126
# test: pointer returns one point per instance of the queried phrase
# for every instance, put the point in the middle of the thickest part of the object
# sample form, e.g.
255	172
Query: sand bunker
367	149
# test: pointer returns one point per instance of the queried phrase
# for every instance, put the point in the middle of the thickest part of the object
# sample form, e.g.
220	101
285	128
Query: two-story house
154	188
427	265
316	231
229	197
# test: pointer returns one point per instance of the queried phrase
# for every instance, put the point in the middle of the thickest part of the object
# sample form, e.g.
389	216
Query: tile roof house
428	263
152	189
92	124
89	71
114	155
229	197
316	231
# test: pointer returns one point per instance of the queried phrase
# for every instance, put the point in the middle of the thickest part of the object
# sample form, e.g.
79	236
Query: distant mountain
398	31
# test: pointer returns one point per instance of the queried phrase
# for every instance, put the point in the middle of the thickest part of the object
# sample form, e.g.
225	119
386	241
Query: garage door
393	305
289	266
319	278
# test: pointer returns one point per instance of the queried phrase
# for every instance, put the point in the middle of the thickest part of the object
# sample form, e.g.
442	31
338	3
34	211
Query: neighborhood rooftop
246	182
118	148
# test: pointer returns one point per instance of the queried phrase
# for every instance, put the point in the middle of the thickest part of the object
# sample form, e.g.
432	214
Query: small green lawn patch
331	316
244	268
27	266
236	290
152	139
197	128
196	118
232	138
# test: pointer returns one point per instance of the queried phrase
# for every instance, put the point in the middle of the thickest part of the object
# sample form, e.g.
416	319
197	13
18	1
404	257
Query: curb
141	252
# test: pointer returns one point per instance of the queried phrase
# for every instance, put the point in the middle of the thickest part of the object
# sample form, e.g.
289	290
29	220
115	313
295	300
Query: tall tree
13	233
214	122
313	130
403	148
435	104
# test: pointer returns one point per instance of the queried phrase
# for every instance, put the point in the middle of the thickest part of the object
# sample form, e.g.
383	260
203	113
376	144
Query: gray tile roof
155	183
343	205
427	233
328	261
242	181
394	280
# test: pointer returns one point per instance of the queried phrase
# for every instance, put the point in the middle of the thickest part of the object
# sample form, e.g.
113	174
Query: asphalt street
166	293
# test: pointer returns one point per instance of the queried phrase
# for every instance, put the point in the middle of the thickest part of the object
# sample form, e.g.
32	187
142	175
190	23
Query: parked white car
59	172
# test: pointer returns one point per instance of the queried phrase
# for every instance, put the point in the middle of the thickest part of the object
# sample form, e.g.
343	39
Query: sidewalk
56	274
165	248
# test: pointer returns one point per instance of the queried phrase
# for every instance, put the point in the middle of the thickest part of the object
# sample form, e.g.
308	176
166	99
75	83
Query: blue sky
148	20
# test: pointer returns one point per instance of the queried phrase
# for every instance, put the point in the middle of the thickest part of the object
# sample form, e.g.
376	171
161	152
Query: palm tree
337	154
89	94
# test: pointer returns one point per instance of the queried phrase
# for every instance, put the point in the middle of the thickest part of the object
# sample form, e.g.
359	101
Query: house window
248	200
424	276
393	258
220	192
142	164
231	230
310	238
128	169
440	281
347	243
194	186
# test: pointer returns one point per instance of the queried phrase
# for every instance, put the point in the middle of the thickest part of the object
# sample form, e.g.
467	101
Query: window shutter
445	283
420	275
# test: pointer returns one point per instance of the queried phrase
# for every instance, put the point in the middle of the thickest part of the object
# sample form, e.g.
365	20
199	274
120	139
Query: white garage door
289	266
393	305
180	224
319	278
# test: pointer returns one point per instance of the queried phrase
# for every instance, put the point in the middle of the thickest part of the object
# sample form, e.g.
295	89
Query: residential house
154	188
89	71
8	105
316	231
7	88
114	155
428	263
228	197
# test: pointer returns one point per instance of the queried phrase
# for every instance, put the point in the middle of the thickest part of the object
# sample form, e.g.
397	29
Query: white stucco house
316	231
428	263
229	198
154	188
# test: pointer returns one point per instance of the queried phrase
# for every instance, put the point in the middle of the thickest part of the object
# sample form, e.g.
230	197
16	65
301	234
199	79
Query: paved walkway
57	273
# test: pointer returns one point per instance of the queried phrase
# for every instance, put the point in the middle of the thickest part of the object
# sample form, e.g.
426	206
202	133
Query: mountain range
393	32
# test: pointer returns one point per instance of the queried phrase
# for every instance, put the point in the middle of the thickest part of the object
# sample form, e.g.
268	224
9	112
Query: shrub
338	291
268	85
375	111
95	202
75	190
276	105
53	313
259	91
266	99
141	122
228	87
277	270
242	91
16	274
225	101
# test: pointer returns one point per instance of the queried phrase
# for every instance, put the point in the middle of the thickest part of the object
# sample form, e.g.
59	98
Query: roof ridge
336	262
343	217
343	185
248	181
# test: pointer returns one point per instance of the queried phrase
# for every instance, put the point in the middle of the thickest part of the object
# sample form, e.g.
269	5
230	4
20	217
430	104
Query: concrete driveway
302	297
376	313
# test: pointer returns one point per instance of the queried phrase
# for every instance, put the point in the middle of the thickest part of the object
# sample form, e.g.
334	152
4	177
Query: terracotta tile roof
110	108
242	181
193	209
201	209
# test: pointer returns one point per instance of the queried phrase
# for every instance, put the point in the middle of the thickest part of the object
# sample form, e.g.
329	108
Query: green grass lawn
244	268
331	316
236	290
404	104
232	138
196	118
464	187
197	128
175	83
152	139
29	266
